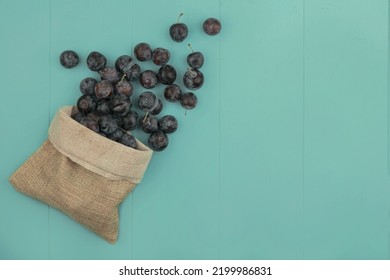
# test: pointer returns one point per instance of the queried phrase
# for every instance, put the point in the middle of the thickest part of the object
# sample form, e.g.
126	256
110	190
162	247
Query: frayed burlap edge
79	183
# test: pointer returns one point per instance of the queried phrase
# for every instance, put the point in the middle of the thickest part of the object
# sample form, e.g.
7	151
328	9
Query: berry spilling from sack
106	104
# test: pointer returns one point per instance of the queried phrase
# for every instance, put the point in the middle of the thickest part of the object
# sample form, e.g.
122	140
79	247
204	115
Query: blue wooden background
286	156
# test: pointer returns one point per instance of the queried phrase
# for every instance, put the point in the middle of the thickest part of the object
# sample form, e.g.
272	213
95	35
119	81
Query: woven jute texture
82	174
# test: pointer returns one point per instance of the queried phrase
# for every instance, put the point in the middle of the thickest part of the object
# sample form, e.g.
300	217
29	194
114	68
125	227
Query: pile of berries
105	105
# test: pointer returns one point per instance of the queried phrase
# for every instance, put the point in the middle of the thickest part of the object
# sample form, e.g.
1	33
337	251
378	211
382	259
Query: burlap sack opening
82	174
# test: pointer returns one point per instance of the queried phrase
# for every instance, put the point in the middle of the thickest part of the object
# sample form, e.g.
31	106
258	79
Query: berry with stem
178	31
195	59
193	79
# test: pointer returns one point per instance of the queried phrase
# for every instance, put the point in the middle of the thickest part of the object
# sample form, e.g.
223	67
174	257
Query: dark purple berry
178	31
128	140
78	116
158	141
103	107
69	59
148	124
90	123
96	61
120	104
193	79
123	63
109	74
172	93
168	124
143	52
148	79
195	59
212	26
125	87
130	120
109	123
167	74
116	135
133	72
86	104
161	56
147	101
87	85
156	109
126	65
188	100
103	89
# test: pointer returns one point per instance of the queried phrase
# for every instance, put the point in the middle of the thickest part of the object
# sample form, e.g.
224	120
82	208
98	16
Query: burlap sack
82	174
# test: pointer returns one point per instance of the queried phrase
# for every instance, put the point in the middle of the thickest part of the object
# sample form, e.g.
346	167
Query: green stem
192	72
178	19
146	115
190	47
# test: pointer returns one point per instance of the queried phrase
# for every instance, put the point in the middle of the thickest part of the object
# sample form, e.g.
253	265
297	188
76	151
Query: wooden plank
285	157
346	130
175	207
84	27
261	130
24	119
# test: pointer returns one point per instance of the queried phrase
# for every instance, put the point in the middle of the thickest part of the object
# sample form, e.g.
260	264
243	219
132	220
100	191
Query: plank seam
219	139
132	194
388	117
303	123
388	87
50	91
